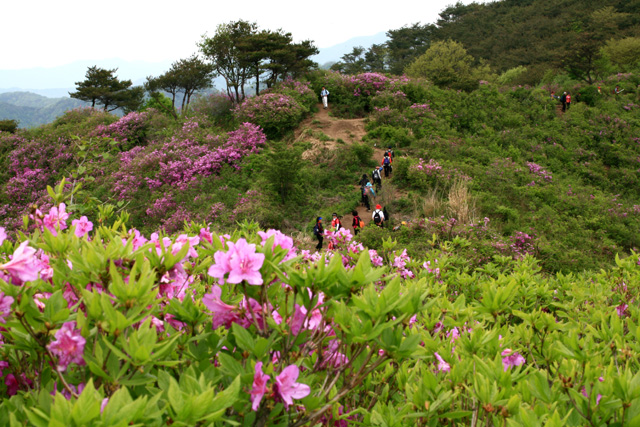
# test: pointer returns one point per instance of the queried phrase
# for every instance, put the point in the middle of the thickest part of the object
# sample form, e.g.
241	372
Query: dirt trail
327	133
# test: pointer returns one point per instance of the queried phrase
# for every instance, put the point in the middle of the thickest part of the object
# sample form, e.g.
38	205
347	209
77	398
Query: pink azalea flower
245	264
138	239
442	365
24	266
56	219
259	386
68	346
82	225
221	266
205	234
511	358
3	235
46	271
5	307
223	314
622	309
287	387
280	239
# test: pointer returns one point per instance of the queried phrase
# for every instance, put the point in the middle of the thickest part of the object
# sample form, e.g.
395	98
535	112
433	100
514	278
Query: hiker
363	182
390	153
336	224
563	99
399	226
324	93
568	100
386	163
318	231
357	223
375	176
617	90
369	195
378	216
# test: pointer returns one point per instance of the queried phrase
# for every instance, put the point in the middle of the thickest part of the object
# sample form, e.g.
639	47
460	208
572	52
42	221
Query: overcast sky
37	33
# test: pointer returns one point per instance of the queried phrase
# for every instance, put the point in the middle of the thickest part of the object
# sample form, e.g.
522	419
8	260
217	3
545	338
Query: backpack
376	174
387	161
376	217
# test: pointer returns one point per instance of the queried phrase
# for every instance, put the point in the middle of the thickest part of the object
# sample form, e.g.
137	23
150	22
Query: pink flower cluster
538	170
68	346
239	263
286	388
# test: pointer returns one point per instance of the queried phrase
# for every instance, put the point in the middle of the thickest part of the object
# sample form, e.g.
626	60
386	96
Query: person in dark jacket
363	183
318	231
357	223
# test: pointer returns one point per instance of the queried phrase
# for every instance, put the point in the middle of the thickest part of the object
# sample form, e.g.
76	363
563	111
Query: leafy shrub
275	113
10	126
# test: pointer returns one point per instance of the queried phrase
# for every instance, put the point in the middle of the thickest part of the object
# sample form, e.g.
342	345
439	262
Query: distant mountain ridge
30	109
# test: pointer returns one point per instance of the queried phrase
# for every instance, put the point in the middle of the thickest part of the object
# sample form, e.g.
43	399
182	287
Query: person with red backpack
357	223
336	224
386	164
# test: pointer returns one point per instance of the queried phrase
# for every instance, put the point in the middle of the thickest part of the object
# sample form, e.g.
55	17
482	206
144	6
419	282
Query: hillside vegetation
157	268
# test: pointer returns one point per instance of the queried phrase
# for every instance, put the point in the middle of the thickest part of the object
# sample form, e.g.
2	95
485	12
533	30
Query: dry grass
462	205
431	205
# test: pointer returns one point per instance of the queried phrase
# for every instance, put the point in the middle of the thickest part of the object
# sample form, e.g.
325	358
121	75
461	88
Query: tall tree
447	64
406	44
288	59
102	87
227	52
186	76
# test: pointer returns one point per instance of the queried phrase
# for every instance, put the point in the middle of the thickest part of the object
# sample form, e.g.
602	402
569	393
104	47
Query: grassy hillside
500	169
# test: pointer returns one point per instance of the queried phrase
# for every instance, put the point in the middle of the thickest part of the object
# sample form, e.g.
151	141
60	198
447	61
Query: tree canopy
186	76
240	52
102	87
447	64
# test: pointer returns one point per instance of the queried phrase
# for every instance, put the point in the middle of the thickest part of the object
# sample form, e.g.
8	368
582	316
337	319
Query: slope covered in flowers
108	326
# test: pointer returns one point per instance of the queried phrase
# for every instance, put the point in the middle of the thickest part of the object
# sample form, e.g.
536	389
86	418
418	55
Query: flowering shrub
430	174
203	328
275	113
129	131
300	91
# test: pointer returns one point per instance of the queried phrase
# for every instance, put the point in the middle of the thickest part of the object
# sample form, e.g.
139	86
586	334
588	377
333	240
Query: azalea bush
107	326
275	113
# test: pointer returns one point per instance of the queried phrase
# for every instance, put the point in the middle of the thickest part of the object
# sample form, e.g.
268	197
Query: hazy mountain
330	55
31	109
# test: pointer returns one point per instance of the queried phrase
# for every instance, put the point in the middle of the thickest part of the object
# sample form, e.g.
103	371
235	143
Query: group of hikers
367	196
565	99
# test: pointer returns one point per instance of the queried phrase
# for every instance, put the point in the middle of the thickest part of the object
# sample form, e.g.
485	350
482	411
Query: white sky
37	33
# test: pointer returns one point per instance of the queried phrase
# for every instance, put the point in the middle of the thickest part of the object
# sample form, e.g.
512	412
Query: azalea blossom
24	265
511	358
223	314
287	387
442	365
5	307
3	235
259	386
56	219
68	346
245	264
622	309
82	226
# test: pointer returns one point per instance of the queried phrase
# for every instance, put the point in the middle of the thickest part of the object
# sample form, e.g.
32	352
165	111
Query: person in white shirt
324	93
378	216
